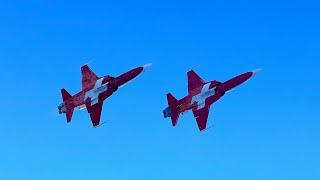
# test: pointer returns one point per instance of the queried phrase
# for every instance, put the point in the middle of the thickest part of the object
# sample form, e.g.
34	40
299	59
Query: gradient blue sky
266	129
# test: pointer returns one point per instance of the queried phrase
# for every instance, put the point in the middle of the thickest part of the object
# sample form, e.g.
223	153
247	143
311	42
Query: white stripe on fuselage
94	93
81	107
205	93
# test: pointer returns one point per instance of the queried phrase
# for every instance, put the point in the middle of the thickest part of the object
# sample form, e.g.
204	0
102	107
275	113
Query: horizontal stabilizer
67	106
172	110
65	95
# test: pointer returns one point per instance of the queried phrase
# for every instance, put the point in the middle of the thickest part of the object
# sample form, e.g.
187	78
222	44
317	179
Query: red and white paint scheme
200	96
94	91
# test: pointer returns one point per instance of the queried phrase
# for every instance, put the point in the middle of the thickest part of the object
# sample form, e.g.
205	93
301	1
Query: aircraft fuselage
94	91
210	92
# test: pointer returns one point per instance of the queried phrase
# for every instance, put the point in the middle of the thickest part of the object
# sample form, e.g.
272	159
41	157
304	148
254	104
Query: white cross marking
200	98
94	93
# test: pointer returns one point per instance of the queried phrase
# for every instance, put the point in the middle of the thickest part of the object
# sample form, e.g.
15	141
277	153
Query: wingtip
191	71
84	65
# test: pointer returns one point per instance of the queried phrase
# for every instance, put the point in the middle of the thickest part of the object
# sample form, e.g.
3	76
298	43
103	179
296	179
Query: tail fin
65	95
172	110
67	105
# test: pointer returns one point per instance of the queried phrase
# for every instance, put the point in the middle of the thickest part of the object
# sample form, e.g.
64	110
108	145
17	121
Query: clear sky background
266	129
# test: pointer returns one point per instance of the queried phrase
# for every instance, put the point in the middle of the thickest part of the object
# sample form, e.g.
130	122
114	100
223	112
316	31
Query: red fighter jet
200	96
94	91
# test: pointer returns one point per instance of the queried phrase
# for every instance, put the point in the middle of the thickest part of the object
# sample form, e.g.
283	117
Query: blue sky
266	129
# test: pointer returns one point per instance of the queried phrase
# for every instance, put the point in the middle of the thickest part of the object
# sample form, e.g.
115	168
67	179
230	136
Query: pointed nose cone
146	66
236	81
254	72
128	76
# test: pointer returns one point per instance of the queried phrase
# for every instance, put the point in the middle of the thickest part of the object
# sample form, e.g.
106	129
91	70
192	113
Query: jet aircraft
94	91
201	95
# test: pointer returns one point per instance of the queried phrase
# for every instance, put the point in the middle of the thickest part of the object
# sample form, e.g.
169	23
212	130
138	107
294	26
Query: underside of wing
95	112
194	80
88	77
201	116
